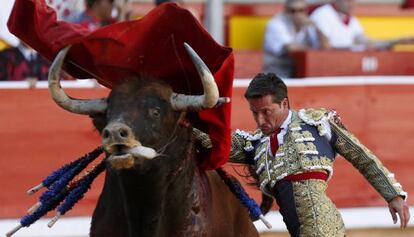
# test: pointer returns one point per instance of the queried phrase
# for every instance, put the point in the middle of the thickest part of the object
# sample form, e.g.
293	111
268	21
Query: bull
153	186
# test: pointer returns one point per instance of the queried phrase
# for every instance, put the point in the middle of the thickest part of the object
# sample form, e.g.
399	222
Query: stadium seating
246	31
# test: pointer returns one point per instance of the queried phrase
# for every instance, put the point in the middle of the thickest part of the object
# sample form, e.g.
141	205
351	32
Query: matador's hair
267	84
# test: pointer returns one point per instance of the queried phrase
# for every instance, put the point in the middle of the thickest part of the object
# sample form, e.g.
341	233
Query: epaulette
317	117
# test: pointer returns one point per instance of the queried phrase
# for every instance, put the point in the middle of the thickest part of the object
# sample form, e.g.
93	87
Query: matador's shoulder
320	118
315	116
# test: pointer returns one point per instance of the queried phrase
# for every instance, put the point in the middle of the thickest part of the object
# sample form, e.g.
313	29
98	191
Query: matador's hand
398	205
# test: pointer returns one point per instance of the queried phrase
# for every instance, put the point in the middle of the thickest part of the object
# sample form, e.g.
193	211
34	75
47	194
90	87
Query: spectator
123	10
67	9
98	13
343	30
286	32
22	63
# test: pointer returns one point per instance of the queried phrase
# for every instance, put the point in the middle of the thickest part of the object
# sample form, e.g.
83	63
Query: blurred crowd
298	27
330	25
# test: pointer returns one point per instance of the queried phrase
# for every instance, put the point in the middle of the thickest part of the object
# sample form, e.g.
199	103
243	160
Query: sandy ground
409	232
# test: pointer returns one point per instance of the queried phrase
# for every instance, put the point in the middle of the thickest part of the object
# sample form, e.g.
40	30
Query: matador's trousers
306	209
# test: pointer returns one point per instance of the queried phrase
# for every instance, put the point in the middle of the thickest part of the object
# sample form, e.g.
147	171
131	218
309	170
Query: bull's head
140	117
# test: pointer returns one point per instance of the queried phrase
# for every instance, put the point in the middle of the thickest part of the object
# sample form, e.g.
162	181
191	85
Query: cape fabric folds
150	46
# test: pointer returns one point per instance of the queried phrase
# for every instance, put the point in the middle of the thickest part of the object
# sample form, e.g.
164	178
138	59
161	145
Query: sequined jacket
312	140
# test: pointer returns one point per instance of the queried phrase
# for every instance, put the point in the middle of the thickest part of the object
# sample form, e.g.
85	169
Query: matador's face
268	115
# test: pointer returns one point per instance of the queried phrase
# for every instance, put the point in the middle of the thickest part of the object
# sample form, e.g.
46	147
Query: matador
293	152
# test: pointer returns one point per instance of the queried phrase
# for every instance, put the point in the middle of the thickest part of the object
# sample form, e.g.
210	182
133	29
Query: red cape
151	46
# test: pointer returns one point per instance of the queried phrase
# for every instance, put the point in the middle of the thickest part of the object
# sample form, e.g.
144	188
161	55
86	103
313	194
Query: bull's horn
210	97
77	106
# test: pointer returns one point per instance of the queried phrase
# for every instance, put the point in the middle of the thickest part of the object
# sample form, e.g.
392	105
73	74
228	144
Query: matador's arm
239	144
365	161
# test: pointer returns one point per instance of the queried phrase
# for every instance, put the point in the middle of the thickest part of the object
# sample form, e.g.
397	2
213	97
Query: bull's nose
116	133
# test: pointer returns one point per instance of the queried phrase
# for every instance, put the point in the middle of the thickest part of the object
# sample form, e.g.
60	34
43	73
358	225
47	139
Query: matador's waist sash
308	175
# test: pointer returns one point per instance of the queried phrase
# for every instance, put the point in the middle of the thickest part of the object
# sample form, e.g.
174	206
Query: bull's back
229	217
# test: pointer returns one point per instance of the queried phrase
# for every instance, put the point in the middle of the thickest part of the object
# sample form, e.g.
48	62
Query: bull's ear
99	121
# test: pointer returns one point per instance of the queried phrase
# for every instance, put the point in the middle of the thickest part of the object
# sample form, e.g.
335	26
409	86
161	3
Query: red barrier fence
36	137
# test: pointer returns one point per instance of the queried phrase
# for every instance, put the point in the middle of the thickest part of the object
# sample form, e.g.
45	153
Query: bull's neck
158	202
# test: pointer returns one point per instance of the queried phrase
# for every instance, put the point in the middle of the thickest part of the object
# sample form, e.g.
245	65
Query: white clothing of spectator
67	9
342	31
286	32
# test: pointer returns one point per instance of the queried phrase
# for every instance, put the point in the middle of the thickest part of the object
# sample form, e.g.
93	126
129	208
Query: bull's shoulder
226	209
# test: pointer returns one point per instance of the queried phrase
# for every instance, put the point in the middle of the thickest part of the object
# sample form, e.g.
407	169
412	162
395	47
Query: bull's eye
155	112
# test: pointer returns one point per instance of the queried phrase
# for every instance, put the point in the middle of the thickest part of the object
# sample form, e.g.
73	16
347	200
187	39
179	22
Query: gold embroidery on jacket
366	162
318	216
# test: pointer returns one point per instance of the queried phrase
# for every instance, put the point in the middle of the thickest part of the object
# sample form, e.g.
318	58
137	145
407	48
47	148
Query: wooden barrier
36	137
247	63
316	63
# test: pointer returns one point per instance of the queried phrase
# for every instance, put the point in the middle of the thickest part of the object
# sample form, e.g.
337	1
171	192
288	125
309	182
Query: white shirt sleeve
276	37
319	18
340	35
356	28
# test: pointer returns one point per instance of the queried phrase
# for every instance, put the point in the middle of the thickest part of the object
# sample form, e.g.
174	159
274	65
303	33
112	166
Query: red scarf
274	143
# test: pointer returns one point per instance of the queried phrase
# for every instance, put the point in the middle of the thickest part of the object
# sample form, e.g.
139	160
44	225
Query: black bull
153	186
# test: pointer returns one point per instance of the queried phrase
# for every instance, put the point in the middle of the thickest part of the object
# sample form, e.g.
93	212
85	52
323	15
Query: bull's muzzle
116	133
122	147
